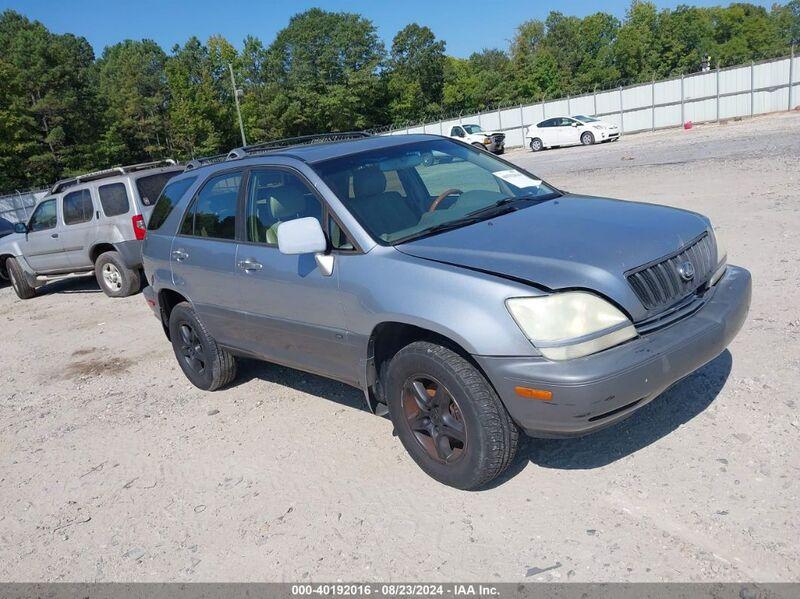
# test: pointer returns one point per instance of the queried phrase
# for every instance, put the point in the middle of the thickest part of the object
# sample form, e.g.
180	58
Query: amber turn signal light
529	393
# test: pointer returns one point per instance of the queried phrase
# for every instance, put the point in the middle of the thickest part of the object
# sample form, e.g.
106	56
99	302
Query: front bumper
596	391
495	147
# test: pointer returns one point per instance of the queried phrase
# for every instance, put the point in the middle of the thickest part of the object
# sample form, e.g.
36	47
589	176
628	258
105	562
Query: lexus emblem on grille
686	270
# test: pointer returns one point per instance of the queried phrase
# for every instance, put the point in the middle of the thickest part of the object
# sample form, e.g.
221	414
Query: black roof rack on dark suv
277	144
109	172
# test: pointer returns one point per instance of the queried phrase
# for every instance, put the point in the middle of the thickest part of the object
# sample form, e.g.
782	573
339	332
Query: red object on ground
688	125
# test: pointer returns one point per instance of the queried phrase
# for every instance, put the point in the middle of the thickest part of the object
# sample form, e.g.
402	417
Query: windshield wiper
501	206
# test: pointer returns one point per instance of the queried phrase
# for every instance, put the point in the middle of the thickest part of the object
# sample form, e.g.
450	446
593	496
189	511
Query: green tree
415	74
635	50
50	102
133	88
322	73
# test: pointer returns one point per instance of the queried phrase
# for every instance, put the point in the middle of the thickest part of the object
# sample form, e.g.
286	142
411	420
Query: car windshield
472	129
585	119
417	189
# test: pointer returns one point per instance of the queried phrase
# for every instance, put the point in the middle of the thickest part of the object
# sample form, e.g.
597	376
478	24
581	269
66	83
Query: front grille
498	137
661	284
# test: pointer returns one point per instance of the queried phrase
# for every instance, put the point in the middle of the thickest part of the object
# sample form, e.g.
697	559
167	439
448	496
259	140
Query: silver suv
93	222
465	296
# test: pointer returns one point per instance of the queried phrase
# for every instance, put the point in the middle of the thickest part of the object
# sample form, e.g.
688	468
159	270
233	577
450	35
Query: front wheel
204	363
114	277
448	417
22	288
587	139
536	144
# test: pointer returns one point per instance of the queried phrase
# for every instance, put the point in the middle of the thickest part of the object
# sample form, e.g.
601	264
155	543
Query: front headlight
570	324
722	258
486	141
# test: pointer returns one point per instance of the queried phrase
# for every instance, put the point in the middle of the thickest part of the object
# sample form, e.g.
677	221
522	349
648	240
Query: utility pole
236	93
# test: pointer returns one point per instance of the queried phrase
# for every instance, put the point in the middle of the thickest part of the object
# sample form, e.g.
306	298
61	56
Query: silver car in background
465	296
91	223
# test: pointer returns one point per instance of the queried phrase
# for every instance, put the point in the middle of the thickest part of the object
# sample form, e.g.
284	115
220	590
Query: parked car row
93	222
468	299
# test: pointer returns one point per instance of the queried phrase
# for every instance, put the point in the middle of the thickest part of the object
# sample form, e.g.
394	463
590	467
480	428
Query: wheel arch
390	336
167	300
100	248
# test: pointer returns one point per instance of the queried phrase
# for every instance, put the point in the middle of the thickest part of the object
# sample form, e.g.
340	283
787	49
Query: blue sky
466	25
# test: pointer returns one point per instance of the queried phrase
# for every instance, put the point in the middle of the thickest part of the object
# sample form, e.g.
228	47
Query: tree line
63	110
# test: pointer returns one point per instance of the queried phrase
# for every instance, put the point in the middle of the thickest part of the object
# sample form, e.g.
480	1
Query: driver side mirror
305	236
574	124
20	228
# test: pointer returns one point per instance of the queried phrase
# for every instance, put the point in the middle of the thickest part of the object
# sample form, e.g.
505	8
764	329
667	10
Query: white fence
741	91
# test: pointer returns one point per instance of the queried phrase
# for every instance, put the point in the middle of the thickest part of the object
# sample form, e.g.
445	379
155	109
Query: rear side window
166	202
114	199
213	212
150	187
78	207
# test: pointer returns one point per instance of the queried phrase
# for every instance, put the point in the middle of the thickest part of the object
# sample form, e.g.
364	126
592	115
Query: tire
455	402
536	145
204	363
18	280
587	138
114	277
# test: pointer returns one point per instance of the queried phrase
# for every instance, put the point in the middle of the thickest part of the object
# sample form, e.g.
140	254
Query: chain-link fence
17	207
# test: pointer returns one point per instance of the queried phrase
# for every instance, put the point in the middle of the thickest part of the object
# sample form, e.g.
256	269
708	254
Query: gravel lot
113	467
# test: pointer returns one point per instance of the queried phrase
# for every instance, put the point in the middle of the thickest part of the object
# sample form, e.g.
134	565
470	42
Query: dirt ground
114	468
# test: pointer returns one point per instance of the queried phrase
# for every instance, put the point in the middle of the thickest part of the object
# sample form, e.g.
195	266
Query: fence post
499	120
544	111
621	113
441	128
752	87
718	91
569	110
653	104
791	75
682	110
594	101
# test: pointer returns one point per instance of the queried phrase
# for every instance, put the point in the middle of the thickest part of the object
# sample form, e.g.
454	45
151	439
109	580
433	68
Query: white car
493	141
569	131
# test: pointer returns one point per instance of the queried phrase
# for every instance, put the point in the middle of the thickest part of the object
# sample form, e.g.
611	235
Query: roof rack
109	172
303	140
204	160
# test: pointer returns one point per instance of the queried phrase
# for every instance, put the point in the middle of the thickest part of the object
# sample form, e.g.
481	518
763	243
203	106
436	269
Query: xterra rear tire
114	277
20	284
448	416
204	363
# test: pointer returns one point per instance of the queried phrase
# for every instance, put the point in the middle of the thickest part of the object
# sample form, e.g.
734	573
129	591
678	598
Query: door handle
54	235
250	264
180	255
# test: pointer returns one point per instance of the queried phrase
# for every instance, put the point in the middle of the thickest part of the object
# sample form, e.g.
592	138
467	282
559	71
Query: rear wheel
204	363
114	277
536	144
19	282
448	417
587	139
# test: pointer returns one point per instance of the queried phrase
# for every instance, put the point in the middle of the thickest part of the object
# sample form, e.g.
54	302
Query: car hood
569	242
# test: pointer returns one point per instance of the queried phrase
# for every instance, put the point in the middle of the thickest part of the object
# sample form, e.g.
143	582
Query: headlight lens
571	324
722	258
486	140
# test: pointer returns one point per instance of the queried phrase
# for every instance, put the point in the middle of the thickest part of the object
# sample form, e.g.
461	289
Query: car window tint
170	196
213	212
150	187
78	207
277	196
44	217
114	199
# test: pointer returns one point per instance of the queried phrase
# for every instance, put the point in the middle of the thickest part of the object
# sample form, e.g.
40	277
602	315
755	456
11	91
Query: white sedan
569	131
